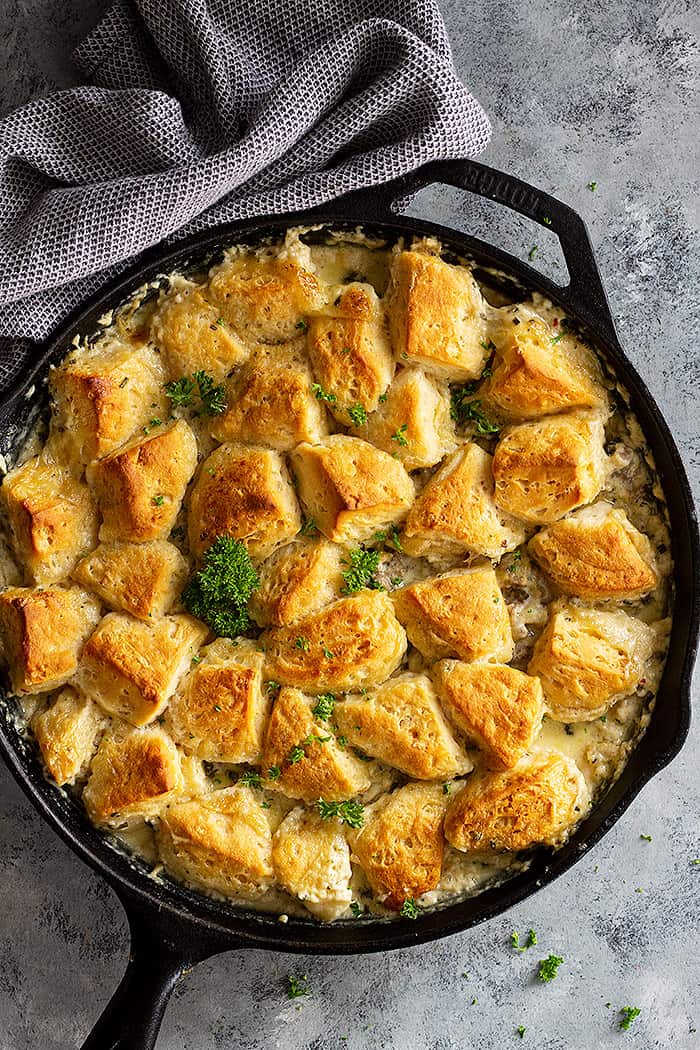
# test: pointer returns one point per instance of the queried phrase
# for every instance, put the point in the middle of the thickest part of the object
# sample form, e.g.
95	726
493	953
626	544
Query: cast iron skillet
173	928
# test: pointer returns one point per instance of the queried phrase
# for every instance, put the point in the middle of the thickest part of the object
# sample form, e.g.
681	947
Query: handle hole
497	225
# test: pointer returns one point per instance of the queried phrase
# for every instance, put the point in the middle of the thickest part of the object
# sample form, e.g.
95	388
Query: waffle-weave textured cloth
196	112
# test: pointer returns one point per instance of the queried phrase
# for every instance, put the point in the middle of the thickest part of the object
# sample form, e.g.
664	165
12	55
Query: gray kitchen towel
202	111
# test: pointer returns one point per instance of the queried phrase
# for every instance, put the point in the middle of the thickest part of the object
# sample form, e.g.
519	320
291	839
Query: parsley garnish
548	968
546	220
515	561
396	581
556	338
361	571
308	528
533	251
328	654
464	408
529	943
274	773
355	909
322	395
272	687
182	391
382	398
399	436
302	326
358	414
628	1015
296	755
324	706
350	813
490	347
251	779
302	643
158	501
219	592
297	987
409	909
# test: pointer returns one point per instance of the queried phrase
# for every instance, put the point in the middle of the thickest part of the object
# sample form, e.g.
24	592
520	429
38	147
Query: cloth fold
204	111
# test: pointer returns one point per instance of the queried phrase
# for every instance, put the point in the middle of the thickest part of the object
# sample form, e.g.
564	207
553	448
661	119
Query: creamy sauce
600	748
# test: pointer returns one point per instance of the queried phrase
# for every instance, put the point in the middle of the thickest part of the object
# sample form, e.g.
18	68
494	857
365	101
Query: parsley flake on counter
350	813
298	986
324	706
361	571
532	253
219	592
399	436
546	220
358	414
647	838
592	186
548	968
410	910
322	395
521	1030
530	941
629	1013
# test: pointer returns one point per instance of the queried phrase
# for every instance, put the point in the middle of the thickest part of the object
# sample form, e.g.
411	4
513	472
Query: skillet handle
585	293
161	953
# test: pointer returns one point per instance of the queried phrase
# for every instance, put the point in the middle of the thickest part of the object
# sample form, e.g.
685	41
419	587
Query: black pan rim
241	927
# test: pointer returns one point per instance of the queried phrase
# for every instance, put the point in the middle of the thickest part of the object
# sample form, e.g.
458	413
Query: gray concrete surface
604	92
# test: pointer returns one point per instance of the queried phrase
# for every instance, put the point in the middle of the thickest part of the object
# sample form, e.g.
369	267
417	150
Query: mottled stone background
578	92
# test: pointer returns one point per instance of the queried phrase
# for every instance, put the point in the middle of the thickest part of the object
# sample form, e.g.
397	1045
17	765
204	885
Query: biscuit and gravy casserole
339	581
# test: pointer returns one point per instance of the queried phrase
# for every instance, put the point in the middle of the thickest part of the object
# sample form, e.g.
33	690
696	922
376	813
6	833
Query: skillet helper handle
158	958
585	293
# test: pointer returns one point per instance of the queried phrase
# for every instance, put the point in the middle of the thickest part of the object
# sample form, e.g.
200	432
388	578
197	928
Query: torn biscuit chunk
192	334
456	513
544	469
246	493
311	859
400	847
350	489
52	517
303	759
67	732
105	393
497	707
134	773
220	843
132	667
587	659
401	724
43	633
296	581
356	642
350	351
220	710
144	579
596	554
270	401
140	487
539	369
413	422
537	802
461	613
265	299
436	316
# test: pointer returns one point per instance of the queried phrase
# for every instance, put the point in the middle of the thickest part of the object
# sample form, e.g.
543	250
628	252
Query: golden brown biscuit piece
52	517
496	706
67	733
140	487
144	579
132	667
461	613
264	299
539	369
350	351
302	758
270	401
134	773
401	845
547	468
413	423
219	843
356	642
42	634
456	512
537	802
245	493
401	724
436	316
297	581
193	335
311	859
349	488
105	393
596	554
587	659
220	710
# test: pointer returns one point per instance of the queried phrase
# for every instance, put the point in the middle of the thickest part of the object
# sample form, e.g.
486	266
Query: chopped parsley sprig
629	1013
361	571
548	968
219	592
182	392
350	813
